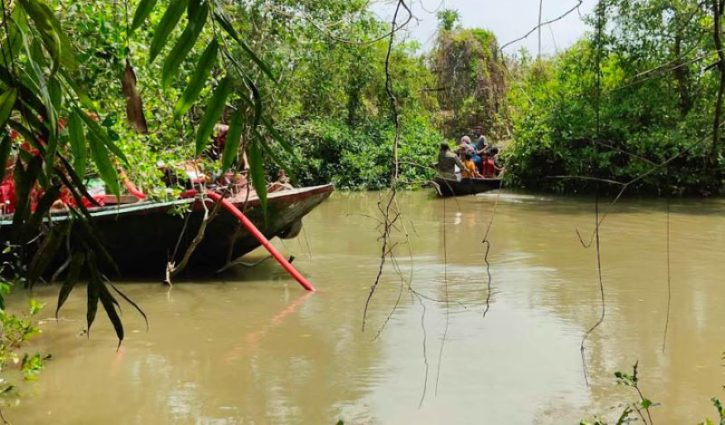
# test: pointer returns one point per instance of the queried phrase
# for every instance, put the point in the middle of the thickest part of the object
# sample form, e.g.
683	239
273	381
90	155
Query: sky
508	19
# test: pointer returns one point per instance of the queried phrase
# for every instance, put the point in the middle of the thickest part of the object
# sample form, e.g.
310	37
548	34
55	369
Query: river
253	348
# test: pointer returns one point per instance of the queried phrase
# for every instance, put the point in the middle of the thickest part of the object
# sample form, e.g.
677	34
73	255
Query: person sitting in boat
490	169
215	151
466	146
447	162
190	174
480	146
469	170
187	174
282	183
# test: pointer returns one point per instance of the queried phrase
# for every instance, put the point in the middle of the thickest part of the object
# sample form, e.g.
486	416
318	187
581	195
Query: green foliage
720	411
639	410
447	19
143	10
212	113
168	22
16	330
360	158
655	102
633	411
43	82
197	14
331	119
471	82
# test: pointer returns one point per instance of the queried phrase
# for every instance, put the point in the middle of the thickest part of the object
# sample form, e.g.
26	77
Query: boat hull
142	238
449	187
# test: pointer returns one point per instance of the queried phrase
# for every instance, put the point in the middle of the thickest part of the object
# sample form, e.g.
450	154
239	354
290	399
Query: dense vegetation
612	106
656	98
330	102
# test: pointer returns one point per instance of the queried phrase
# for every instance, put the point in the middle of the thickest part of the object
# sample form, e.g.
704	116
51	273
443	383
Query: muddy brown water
251	347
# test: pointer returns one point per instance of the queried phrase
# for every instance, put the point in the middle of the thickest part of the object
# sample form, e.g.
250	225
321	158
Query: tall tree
717	12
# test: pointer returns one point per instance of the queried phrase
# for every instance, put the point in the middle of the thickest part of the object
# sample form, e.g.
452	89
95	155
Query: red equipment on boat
262	240
132	187
233	210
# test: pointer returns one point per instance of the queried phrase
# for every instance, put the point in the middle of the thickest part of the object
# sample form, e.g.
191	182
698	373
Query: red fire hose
260	237
131	187
242	219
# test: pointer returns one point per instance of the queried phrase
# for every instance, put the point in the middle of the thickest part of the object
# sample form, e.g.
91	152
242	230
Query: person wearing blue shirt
480	147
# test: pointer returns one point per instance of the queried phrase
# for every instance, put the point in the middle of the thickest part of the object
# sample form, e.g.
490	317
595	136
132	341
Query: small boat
451	187
142	236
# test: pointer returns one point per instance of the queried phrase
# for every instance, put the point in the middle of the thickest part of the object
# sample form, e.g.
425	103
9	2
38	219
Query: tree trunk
682	76
717	35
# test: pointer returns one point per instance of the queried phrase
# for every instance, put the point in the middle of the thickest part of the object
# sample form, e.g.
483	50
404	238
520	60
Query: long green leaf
32	226
42	16
38	78
26	95
11	46
272	154
144	9
56	99
45	255
25	178
77	143
89	233
74	272
166	26
93	292
100	134
212	113
51	33
109	304
99	154
130	301
256	169
56	93
229	28
257	96
79	90
76	196
7	102
234	138
67	56
198	79
5	149
74	184
197	19
256	103
277	137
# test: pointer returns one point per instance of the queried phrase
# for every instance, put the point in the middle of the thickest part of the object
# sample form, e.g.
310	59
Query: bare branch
541	24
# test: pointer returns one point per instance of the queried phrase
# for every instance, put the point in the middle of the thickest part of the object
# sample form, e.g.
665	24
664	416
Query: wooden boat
451	187
143	236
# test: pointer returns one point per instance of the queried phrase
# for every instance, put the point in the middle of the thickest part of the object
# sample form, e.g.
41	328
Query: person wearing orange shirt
469	170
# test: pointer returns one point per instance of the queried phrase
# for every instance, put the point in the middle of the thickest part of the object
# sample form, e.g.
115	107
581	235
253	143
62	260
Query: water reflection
253	348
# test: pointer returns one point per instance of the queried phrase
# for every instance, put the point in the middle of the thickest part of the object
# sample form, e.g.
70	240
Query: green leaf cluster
653	101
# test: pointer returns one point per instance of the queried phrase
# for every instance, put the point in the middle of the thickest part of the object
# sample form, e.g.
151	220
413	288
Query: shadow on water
583	204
